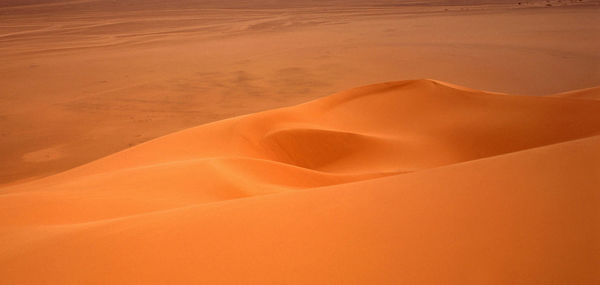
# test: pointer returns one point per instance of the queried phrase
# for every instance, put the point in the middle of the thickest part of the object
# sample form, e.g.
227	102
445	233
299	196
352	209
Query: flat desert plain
299	142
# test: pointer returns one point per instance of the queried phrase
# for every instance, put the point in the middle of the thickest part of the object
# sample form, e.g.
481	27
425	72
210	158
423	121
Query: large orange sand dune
410	182
82	79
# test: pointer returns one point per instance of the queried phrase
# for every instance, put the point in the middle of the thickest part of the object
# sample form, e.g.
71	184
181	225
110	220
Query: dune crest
587	93
415	181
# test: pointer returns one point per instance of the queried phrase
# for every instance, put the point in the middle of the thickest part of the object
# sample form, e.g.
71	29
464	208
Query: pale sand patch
44	155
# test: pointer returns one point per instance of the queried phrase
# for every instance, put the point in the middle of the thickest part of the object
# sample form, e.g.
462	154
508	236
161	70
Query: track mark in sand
43	155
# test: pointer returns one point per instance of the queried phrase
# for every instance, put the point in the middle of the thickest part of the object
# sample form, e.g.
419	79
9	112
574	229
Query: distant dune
409	182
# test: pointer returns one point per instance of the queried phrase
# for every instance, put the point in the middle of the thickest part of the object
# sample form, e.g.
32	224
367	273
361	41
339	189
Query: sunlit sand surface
410	181
197	142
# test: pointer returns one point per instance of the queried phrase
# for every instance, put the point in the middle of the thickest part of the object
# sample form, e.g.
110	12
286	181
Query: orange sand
82	79
410	182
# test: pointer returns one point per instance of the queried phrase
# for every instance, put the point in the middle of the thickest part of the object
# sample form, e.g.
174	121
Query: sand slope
417	182
128	71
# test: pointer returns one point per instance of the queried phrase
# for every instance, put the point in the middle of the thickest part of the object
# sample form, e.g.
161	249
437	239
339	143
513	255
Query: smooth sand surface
80	80
152	142
409	182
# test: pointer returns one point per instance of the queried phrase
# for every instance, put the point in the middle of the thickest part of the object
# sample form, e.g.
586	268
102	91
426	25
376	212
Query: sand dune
129	71
418	182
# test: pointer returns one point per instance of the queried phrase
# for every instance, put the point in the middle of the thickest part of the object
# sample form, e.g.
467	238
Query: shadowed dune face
332	150
401	182
83	79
